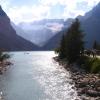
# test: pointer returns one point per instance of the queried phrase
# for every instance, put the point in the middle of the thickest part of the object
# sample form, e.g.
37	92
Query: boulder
93	93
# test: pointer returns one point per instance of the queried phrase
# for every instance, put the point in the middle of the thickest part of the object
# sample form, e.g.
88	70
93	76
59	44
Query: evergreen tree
72	43
95	45
62	49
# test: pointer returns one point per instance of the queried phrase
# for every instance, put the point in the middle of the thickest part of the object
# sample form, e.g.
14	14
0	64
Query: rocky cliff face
9	40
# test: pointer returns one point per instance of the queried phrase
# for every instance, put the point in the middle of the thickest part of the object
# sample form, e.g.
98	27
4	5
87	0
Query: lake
36	76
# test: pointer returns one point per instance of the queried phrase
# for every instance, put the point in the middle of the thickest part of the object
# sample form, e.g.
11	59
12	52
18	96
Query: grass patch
91	65
95	68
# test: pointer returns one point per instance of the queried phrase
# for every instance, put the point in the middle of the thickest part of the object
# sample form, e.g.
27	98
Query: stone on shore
87	84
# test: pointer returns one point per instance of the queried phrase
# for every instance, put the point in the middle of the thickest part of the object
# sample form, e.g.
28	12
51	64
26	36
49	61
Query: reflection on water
36	76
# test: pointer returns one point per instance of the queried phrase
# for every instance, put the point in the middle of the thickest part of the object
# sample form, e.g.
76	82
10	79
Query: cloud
5	4
26	13
82	5
72	8
77	7
46	9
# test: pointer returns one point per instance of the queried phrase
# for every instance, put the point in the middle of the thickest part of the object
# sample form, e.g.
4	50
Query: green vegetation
91	65
3	56
72	43
72	49
96	45
62	48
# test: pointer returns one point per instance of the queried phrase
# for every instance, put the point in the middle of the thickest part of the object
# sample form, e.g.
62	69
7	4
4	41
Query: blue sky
29	10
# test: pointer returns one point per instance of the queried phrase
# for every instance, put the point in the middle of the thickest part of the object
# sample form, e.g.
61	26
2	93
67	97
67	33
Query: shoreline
4	66
87	84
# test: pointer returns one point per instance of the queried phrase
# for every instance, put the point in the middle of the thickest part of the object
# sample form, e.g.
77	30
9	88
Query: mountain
55	40
9	40
90	24
39	32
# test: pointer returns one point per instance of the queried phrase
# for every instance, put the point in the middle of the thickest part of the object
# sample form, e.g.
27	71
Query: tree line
72	47
72	43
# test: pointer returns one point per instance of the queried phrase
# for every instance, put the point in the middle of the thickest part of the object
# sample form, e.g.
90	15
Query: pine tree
73	42
62	49
96	45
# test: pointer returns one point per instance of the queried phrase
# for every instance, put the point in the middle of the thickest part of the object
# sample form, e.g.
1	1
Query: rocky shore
4	66
87	84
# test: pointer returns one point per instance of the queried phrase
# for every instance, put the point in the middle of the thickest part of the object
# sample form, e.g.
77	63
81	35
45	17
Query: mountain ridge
9	40
39	32
89	24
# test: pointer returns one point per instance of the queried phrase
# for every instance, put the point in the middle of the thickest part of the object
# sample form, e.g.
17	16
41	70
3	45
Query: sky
30	10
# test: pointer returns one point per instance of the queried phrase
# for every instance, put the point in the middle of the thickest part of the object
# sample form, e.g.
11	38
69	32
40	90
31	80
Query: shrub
95	68
57	50
4	56
90	64
84	62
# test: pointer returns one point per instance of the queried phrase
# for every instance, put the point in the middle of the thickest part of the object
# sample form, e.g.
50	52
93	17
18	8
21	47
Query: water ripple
55	80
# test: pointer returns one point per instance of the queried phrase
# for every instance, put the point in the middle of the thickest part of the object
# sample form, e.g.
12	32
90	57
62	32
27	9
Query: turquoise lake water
36	76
